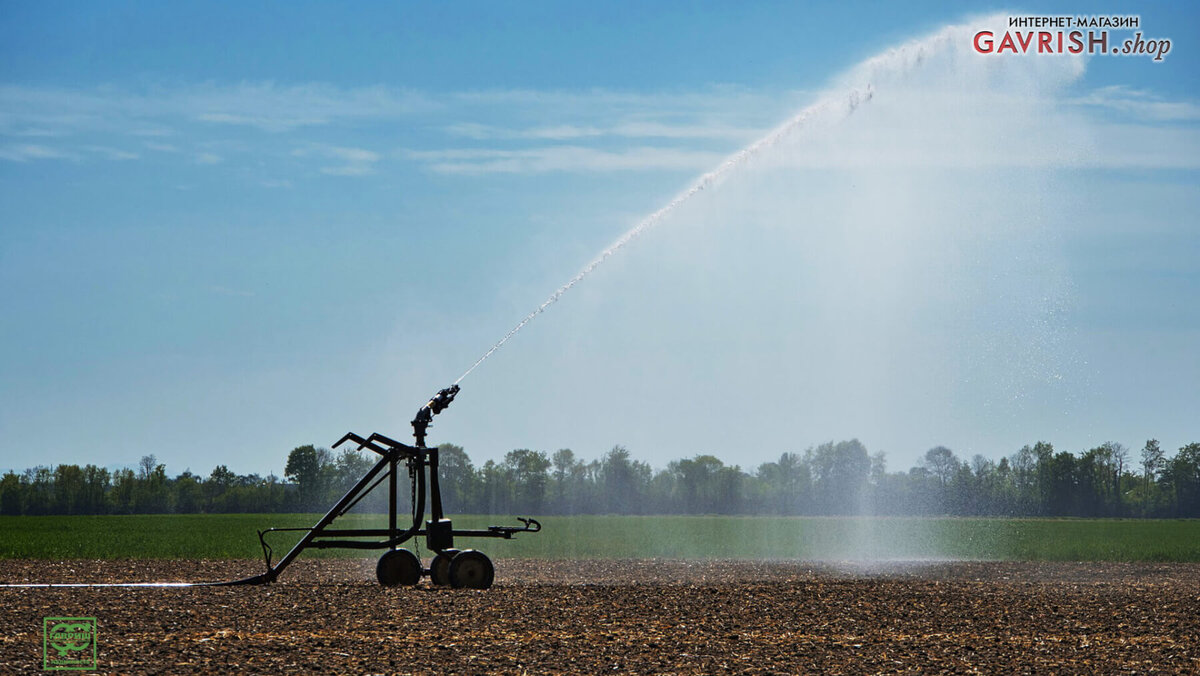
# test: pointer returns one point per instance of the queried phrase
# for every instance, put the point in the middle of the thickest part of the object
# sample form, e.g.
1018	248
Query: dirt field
329	616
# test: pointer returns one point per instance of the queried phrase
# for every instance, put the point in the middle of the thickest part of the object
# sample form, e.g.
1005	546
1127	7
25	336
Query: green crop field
825	538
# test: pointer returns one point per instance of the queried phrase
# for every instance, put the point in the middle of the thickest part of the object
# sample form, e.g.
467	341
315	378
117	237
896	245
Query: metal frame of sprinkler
467	568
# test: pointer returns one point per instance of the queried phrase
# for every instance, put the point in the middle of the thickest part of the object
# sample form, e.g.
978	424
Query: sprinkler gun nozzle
425	414
442	399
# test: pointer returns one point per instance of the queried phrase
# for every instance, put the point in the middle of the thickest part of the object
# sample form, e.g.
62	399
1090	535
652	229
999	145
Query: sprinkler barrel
425	414
442	399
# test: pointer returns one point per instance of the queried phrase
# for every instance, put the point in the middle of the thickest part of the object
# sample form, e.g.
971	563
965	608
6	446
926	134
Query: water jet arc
844	102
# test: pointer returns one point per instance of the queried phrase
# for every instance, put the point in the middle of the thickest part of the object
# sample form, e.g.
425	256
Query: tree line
840	478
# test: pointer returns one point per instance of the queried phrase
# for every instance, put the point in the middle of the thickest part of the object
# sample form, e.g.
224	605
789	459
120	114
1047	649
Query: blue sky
230	229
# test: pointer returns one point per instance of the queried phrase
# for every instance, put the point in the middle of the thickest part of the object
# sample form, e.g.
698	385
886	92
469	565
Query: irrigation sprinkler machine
465	568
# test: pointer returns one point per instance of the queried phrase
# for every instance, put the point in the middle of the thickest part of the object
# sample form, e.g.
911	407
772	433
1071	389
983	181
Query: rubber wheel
398	567
470	569
439	569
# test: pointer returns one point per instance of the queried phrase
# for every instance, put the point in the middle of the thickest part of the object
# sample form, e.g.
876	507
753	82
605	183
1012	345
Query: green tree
728	490
978	489
563	461
1098	473
151	494
12	494
1119	455
1061	484
68	490
841	473
784	484
457	479
189	493
1006	503
943	466
1047	493
39	491
526	472
1182	475
216	490
308	468
623	482
350	467
495	488
95	490
696	479
1153	461
1025	476
124	487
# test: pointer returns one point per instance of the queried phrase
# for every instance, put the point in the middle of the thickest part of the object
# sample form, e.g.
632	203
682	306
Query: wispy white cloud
153	131
1102	146
35	132
482	132
23	152
565	132
282	121
525	131
715	112
1140	104
710	100
561	158
111	153
685	131
351	154
350	161
989	130
348	170
263	105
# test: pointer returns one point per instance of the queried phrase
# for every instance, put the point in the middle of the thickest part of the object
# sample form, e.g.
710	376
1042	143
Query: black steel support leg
332	514
392	499
435	489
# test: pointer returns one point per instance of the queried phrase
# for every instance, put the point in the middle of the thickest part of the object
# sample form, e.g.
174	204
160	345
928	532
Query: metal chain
412	501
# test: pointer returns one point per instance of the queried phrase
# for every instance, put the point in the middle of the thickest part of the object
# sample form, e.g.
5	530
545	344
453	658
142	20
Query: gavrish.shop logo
68	643
1072	35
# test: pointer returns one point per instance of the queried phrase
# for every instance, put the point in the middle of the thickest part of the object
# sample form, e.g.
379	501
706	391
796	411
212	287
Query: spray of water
843	104
833	106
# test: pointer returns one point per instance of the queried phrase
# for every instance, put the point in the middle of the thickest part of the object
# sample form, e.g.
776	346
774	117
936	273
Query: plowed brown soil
329	616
